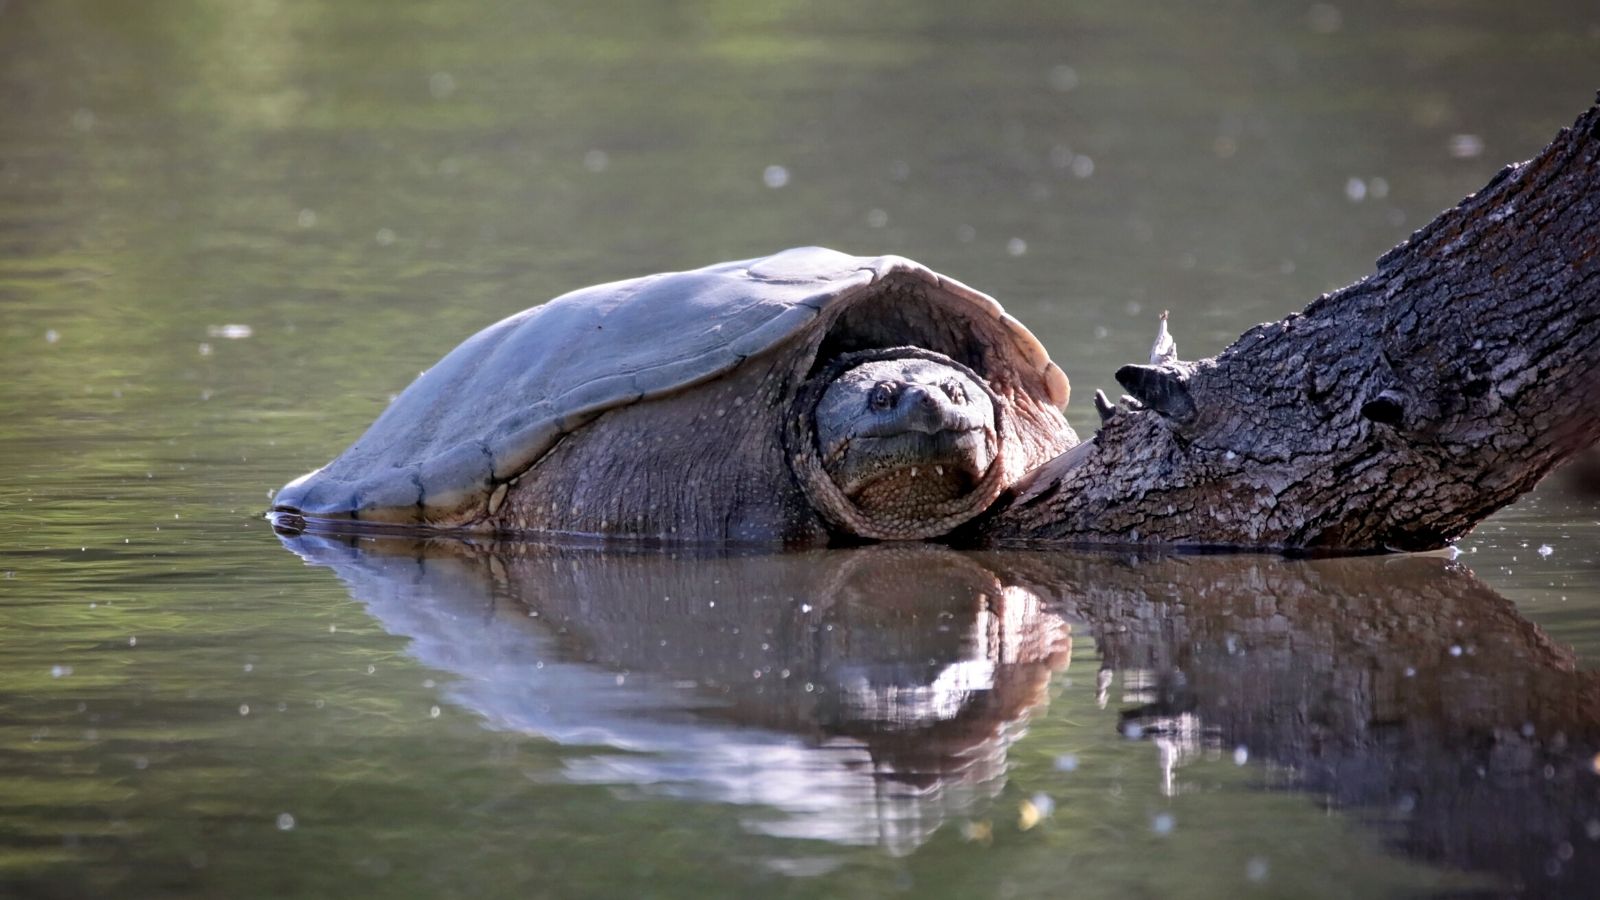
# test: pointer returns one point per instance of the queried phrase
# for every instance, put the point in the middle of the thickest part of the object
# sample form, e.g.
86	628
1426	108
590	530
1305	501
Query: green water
230	231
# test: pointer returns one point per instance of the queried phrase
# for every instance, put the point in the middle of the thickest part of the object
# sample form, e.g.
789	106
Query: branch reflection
1403	689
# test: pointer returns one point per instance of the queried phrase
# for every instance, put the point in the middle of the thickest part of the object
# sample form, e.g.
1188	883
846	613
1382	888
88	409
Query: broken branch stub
1395	413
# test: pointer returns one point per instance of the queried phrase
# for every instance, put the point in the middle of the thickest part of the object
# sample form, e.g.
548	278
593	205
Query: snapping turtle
801	397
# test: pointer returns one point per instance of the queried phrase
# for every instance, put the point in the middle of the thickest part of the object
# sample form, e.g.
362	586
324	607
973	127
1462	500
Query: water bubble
441	85
775	176
433	712
1067	762
596	160
1355	190
966	234
1082	166
51	336
384	237
1044	803
1545	550
1241	755
877	218
285	822
306	219
232	331
1324	18
1455	649
1256	869
1163	823
1465	146
1378	188
244	709
1063	77
60	671
1016	246
1061	156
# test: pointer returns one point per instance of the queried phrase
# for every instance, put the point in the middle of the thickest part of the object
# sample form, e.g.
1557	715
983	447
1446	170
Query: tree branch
1395	413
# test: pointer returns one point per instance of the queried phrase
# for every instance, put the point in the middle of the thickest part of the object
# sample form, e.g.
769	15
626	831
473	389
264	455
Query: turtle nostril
919	397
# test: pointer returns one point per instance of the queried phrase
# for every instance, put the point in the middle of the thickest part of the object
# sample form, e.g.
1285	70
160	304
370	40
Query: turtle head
905	431
905	442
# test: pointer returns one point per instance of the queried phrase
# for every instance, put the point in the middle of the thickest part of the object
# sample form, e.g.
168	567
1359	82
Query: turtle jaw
886	473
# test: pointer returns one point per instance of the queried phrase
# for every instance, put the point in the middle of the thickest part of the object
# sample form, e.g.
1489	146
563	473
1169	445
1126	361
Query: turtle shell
494	405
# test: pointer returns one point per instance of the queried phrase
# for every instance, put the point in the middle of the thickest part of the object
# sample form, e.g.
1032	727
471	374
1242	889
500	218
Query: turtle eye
954	391
882	397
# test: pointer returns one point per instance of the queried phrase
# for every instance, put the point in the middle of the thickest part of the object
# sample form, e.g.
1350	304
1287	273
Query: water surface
229	233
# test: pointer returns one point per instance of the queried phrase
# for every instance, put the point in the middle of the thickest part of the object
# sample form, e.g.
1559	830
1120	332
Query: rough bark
1394	413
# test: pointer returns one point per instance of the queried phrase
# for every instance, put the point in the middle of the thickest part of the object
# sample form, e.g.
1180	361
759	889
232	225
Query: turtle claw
1104	407
1164	389
1165	349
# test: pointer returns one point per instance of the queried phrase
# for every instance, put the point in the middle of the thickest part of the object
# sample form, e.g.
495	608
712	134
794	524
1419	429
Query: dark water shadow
869	696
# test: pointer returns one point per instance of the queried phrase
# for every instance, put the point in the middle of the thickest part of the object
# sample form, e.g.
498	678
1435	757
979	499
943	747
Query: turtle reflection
858	696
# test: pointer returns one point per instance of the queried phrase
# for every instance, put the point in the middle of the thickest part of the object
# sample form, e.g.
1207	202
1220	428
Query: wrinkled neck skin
901	444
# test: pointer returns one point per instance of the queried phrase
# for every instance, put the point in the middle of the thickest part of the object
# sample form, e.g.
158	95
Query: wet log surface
1395	413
